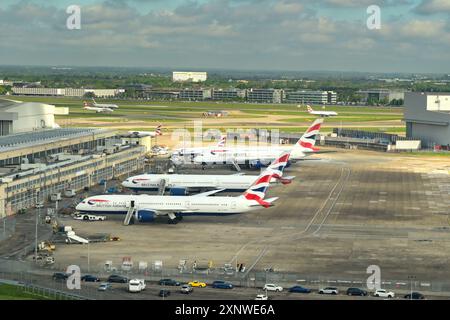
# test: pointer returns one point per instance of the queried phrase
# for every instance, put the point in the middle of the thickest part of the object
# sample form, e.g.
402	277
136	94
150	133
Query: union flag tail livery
222	141
308	141
257	190
278	165
158	131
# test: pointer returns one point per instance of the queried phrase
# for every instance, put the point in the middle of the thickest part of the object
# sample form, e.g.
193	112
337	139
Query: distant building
6	83
427	117
227	94
311	97
195	94
178	76
379	95
265	95
66	92
164	94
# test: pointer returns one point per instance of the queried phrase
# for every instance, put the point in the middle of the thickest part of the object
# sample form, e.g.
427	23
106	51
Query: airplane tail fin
278	165
308	140
309	108
158	130
222	141
257	191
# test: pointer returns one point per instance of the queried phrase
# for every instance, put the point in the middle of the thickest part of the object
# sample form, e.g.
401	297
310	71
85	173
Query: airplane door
233	205
187	205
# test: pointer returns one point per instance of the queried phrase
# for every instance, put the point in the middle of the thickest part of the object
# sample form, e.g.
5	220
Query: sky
294	35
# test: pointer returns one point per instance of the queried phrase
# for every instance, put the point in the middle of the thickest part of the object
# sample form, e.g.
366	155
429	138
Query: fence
7	227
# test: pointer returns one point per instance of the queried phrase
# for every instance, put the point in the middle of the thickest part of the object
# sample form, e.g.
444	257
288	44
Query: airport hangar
37	158
427	117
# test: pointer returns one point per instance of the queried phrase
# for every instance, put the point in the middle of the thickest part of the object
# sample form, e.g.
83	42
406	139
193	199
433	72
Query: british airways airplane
191	182
155	133
253	157
145	208
321	113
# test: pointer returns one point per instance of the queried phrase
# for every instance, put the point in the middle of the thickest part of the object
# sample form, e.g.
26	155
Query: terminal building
265	95
381	95
66	92
311	97
39	163
427	117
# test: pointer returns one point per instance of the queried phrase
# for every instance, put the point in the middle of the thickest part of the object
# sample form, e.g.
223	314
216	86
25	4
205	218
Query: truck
136	285
46	246
88	217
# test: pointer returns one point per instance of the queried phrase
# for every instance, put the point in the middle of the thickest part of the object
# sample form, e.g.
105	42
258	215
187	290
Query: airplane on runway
155	133
234	182
321	113
145	208
98	110
104	105
253	157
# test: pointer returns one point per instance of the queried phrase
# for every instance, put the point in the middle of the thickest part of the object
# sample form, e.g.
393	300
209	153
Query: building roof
34	138
4	103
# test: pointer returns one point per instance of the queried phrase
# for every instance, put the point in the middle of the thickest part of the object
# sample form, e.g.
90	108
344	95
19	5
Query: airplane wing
208	193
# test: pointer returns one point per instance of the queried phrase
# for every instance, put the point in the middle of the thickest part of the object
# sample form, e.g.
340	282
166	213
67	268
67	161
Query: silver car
329	290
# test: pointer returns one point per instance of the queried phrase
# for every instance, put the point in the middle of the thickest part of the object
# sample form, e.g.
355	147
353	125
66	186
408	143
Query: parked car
414	296
384	293
299	289
90	278
164	293
60	276
105	286
186	289
219	284
261	297
272	287
117	278
356	292
197	284
329	290
168	282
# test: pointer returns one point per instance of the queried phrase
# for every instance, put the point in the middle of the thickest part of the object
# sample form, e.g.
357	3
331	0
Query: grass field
10	292
145	115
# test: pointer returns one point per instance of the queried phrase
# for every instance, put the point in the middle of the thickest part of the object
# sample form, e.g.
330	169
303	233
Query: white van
136	285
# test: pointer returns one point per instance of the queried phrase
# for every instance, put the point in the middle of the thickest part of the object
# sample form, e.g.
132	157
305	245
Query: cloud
428	7
250	34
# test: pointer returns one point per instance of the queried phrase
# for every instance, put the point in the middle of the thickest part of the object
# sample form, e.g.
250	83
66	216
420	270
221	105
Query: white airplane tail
257	191
308	140
310	110
222	141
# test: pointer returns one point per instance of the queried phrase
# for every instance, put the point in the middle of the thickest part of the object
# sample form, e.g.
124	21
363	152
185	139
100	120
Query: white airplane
321	113
145	208
198	150
254	157
155	133
98	110
104	105
191	182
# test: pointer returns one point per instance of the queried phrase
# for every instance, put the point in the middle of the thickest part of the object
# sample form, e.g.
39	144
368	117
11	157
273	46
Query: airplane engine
255	164
146	215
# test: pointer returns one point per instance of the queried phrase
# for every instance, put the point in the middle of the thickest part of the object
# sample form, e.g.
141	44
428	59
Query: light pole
411	282
88	257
